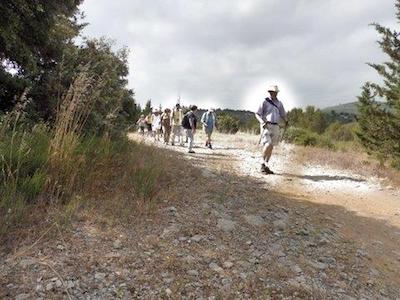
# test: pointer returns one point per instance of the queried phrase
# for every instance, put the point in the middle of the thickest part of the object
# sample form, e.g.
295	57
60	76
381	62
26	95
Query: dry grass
71	171
352	160
126	183
74	109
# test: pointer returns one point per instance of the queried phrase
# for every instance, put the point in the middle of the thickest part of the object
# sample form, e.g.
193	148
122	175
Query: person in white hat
270	113
156	124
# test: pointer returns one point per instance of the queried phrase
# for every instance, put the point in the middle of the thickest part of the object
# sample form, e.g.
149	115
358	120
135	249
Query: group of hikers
176	124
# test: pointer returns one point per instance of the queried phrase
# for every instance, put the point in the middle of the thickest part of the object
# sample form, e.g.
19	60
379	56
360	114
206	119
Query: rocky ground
226	232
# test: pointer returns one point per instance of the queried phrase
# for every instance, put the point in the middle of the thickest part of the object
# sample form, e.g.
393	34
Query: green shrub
228	124
341	132
32	186
304	137
251	126
300	136
23	158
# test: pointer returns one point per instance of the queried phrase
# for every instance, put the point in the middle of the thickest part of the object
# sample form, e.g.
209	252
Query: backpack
185	122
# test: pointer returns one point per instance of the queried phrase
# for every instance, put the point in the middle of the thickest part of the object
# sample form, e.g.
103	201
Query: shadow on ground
318	178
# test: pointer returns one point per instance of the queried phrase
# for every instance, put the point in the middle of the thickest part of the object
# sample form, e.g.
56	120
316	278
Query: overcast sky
224	53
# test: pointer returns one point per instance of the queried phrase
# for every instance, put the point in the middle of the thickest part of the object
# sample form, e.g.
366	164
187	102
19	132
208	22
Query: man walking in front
270	113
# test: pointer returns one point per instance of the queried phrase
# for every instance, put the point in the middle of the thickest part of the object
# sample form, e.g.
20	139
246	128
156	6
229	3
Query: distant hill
343	113
347	108
244	116
247	120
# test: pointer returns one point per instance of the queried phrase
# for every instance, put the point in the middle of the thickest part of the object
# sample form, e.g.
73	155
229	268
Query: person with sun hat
270	113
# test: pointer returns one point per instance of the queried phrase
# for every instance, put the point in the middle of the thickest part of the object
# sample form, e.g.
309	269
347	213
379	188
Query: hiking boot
191	151
266	170
209	146
206	144
263	168
269	171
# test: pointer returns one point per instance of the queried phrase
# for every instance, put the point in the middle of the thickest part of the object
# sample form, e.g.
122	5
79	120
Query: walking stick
284	131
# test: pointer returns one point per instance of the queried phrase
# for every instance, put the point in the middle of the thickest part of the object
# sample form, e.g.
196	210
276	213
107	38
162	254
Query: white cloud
222	53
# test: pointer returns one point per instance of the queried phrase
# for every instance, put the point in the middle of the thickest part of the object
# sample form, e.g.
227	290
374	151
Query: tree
147	108
32	39
227	123
295	117
115	107
312	119
379	104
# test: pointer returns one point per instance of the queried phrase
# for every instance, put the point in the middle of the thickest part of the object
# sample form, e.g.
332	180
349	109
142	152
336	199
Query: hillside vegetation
350	108
64	112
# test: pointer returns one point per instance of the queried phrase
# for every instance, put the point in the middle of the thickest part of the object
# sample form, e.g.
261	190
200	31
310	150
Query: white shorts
270	135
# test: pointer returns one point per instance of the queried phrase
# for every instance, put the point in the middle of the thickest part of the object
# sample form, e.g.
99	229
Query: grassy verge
49	172
117	178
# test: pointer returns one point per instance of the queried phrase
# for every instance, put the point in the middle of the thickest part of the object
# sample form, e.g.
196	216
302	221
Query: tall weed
68	169
64	160
23	157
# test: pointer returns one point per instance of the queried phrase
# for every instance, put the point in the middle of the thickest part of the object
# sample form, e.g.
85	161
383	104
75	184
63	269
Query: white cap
273	88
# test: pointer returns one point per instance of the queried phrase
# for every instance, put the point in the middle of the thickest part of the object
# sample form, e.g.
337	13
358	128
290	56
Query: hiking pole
284	130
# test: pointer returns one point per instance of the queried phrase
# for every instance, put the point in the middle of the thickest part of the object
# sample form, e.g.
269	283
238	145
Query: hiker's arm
260	119
260	113
283	114
203	119
191	122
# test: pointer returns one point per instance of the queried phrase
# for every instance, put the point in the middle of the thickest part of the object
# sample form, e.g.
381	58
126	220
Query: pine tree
33	39
379	104
147	108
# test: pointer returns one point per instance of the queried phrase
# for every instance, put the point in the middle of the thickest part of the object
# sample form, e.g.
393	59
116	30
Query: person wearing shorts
208	119
141	124
270	113
156	126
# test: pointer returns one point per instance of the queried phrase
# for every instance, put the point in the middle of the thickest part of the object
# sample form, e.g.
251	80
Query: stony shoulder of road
217	234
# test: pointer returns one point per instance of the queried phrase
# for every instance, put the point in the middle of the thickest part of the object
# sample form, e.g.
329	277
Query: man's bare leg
267	152
266	155
209	140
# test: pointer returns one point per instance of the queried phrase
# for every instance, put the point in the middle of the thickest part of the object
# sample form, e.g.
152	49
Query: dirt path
364	197
319	184
224	231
